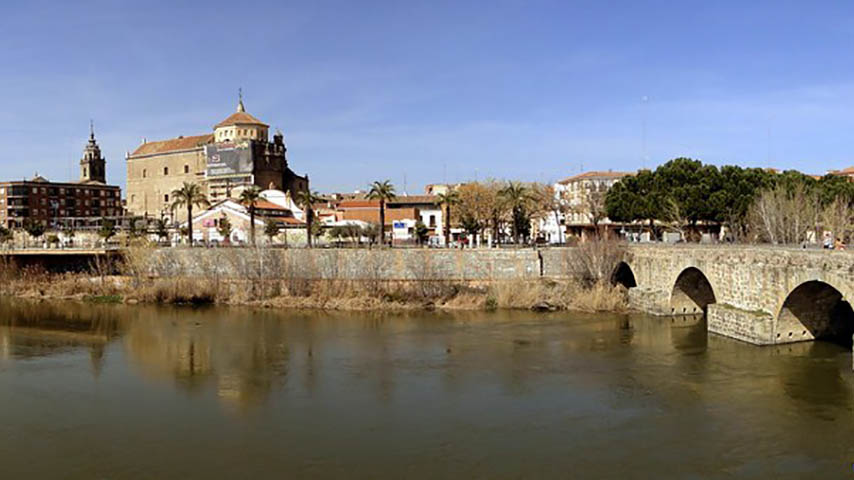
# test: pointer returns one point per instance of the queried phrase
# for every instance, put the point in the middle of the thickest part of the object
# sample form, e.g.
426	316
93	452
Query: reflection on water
207	393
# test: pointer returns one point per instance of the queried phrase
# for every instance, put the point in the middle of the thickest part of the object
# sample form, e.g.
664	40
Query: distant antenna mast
768	144
644	102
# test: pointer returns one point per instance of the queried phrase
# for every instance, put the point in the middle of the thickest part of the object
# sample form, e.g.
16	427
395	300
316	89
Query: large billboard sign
226	160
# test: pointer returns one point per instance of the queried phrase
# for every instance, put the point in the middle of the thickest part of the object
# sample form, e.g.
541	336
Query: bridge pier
756	327
649	300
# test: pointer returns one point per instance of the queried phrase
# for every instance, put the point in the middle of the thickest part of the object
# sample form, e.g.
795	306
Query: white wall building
578	195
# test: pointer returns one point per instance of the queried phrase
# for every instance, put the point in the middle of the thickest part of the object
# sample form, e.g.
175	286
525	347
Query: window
103	193
35	190
133	198
432	221
84	171
165	170
166	198
186	169
143	173
44	190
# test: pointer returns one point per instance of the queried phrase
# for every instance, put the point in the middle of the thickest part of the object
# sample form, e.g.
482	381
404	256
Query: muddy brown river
137	392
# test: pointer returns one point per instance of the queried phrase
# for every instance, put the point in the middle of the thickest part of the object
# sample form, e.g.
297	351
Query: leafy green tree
189	195
133	227
421	232
34	228
517	196
5	235
107	230
224	228
161	229
739	189
384	192
249	197
449	198
470	224
271	229
637	198
306	199
316	231
370	231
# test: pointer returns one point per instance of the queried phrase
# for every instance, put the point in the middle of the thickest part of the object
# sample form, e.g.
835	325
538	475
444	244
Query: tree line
752	204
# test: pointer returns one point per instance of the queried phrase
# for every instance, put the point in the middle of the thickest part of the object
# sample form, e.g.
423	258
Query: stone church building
236	155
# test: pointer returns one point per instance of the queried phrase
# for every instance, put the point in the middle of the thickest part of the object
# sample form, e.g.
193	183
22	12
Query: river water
152	392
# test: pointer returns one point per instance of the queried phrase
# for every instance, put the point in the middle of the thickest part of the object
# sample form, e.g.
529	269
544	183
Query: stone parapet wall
748	277
350	264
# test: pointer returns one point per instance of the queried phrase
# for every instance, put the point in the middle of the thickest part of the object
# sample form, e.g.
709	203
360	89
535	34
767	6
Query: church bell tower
92	165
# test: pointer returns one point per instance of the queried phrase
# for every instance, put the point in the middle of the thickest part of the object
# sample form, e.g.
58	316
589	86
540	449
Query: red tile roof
173	144
596	174
844	171
240	118
290	221
344	204
419	199
267	205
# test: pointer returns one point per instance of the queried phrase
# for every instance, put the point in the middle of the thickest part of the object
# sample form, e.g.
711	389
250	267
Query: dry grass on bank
563	295
263	279
331	295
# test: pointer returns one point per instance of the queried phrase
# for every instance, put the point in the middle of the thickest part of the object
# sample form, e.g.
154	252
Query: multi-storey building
582	200
236	155
81	204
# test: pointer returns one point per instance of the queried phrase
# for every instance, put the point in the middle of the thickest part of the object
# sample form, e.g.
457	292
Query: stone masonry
762	295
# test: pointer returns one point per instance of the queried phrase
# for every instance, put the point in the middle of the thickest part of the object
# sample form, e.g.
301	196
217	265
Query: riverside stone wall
352	264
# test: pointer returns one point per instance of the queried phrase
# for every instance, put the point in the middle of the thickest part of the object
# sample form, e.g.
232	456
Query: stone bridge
758	294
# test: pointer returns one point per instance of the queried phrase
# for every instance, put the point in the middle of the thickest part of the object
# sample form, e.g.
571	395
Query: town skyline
587	89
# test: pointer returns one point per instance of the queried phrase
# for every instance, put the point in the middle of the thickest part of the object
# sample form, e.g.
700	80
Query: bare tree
785	216
675	217
597	260
838	218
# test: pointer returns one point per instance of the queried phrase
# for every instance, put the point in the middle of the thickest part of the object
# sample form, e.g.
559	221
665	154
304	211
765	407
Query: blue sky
435	91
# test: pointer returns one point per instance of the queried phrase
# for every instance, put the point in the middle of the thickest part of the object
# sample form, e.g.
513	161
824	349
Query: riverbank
379	279
527	294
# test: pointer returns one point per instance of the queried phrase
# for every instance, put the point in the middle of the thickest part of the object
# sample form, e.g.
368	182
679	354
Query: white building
582	198
274	205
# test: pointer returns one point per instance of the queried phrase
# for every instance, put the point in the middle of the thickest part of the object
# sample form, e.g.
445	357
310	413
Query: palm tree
306	199
517	197
382	191
187	196
249	197
451	197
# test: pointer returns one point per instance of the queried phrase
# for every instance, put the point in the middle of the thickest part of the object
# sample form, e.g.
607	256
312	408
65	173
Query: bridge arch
815	310
692	292
623	275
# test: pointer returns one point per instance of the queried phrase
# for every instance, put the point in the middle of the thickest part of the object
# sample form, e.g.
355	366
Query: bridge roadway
758	294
